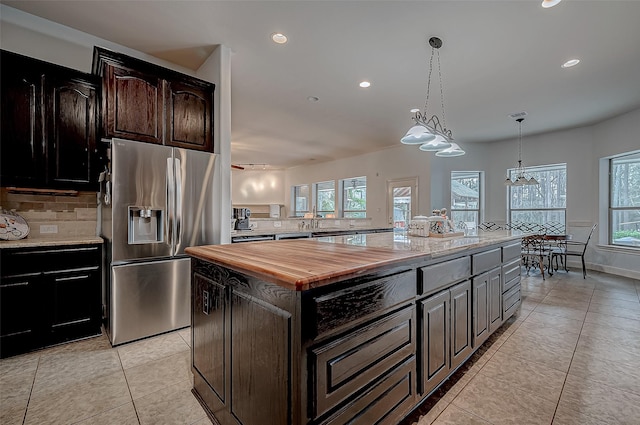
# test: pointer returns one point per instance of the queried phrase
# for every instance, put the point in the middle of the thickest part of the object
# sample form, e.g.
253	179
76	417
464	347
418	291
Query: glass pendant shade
417	135
451	151
550	3
508	182
437	143
533	181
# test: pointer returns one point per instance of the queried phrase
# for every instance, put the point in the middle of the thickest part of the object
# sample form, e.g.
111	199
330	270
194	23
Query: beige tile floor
571	356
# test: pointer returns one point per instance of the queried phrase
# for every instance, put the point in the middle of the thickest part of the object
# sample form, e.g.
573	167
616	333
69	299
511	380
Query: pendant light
521	178
429	132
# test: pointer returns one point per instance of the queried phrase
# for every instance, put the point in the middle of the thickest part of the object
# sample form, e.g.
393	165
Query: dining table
557	239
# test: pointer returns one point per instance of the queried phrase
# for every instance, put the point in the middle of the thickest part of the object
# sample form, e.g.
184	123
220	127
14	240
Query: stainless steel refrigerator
154	202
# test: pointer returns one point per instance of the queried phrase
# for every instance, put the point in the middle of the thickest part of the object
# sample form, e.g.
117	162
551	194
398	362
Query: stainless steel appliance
241	215
155	201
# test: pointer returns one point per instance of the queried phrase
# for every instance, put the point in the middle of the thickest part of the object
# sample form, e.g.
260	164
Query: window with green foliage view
354	197
624	200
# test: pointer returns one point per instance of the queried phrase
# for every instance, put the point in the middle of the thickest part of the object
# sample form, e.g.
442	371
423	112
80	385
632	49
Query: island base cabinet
384	403
242	348
349	364
260	361
435	317
446	334
364	350
208	331
480	309
461	341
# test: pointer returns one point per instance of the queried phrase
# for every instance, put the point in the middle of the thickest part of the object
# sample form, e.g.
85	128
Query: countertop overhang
303	264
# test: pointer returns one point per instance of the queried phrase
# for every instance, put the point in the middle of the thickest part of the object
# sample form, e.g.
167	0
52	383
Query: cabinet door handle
206	302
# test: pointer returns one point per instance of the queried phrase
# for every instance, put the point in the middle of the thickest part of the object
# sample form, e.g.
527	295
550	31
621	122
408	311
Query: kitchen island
343	329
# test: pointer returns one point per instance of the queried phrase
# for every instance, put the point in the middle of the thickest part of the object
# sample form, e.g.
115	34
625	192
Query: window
465	197
624	200
325	198
543	203
300	200
354	197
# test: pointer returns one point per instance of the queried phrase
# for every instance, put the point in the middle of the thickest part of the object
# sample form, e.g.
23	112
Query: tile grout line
135	409
571	361
33	384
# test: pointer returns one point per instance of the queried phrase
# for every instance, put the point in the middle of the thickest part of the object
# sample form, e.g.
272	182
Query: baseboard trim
632	274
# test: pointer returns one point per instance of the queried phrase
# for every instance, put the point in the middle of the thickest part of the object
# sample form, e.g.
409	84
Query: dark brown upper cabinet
189	116
132	105
70	111
49	122
145	102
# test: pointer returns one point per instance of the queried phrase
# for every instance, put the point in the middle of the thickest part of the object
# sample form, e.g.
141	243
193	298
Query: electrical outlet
336	223
277	224
48	228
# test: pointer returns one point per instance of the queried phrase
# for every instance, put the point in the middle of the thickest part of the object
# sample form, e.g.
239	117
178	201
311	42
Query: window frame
316	203
294	204
480	208
343	212
535	171
611	210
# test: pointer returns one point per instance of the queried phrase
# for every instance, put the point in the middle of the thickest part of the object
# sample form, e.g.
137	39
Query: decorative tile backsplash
69	215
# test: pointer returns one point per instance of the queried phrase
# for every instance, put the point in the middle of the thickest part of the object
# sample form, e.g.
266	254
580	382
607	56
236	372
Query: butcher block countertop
302	264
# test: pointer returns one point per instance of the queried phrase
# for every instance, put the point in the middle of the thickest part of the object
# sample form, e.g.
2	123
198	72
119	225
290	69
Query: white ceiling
498	57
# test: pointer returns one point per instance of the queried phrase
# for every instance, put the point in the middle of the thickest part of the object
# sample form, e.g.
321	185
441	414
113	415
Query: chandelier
521	178
428	132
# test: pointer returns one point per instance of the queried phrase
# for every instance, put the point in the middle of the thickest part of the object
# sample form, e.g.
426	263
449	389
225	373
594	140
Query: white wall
257	187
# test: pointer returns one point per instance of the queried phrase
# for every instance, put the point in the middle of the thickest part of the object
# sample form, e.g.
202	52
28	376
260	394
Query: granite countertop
277	231
30	242
302	264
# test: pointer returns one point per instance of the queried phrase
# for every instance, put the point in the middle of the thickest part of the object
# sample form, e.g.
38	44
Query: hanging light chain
426	102
444	119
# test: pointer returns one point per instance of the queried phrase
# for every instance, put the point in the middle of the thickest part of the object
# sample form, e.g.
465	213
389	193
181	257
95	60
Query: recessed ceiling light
549	3
414	110
279	38
312	99
570	63
365	84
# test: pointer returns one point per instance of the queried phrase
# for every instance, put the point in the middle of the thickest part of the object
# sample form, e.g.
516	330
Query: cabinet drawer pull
84	276
16	284
56	251
79	269
74	322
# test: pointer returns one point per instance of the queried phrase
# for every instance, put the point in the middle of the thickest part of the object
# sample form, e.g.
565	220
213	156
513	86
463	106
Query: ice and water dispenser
146	225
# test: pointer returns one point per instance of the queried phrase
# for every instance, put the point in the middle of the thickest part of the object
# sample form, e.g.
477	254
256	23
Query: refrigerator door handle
178	204
169	207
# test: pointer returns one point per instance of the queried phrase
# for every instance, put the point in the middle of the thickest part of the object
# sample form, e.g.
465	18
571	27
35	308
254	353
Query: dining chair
534	251
573	249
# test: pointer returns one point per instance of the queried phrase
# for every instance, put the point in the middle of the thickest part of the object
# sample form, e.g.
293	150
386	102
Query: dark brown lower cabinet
260	361
446	334
366	350
487	304
49	295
